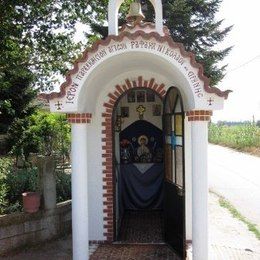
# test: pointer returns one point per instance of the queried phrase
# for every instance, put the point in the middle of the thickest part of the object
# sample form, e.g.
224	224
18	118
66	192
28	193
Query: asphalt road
236	176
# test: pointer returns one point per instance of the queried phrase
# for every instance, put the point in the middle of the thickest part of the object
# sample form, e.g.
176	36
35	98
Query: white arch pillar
113	8
199	134
79	177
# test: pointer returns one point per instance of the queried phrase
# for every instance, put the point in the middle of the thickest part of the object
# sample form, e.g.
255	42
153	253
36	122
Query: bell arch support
107	144
113	8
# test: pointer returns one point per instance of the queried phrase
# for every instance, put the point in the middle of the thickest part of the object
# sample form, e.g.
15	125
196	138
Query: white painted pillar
199	132
79	192
188	180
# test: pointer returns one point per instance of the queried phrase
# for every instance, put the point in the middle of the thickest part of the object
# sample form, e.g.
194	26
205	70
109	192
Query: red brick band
107	147
199	115
84	118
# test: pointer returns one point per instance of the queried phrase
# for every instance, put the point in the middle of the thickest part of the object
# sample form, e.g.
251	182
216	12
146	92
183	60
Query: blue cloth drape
139	190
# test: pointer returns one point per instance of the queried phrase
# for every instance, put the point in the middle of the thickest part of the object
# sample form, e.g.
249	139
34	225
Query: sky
243	72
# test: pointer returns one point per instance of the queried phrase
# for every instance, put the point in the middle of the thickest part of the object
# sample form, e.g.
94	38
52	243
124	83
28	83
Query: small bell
135	13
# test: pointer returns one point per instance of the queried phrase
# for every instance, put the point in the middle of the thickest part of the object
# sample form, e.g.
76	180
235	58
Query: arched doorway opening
138	167
148	166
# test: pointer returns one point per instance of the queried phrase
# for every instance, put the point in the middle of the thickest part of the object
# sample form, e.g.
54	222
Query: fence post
47	179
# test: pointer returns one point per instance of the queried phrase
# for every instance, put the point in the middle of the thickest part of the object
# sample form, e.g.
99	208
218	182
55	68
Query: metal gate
174	197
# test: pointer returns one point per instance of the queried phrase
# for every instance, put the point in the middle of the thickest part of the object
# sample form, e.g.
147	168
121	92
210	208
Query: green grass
236	214
243	137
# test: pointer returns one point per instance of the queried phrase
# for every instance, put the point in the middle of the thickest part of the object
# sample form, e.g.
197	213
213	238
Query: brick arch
107	144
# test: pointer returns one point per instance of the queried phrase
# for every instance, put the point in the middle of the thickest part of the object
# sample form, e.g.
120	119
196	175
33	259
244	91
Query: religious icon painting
124	112
140	96
131	97
150	96
157	110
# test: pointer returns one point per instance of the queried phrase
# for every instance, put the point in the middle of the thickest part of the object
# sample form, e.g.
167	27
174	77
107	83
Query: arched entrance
138	167
148	168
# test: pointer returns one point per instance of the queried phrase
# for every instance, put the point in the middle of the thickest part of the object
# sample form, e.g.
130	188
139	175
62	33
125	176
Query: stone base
22	229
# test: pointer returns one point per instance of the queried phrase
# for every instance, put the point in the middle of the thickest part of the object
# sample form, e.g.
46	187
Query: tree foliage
36	46
43	133
16	95
38	35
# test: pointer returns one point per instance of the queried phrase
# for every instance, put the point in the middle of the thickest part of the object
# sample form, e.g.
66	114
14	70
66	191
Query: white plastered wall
95	151
134	116
133	65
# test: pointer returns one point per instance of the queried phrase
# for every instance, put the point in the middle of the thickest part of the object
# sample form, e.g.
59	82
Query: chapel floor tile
133	252
142	227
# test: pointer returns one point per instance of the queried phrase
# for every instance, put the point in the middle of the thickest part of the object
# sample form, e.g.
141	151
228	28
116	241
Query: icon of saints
143	151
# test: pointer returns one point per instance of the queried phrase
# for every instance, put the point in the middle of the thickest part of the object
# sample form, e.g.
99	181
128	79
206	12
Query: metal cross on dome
141	110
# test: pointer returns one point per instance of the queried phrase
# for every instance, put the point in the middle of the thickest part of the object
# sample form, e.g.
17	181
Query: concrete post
79	192
47	178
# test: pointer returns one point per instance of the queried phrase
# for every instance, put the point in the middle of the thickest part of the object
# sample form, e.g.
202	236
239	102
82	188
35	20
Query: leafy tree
43	33
191	22
36	45
16	95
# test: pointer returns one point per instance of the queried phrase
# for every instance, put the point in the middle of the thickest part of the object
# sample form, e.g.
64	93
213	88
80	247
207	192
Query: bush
13	182
5	169
21	180
63	186
43	133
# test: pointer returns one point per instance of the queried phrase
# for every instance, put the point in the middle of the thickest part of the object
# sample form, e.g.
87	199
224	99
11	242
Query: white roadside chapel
139	105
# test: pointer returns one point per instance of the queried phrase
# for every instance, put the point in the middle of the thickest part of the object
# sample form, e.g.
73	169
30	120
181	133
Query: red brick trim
107	145
84	118
199	115
132	36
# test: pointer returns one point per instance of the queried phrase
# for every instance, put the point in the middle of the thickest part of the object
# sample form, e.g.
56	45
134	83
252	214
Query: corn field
242	137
